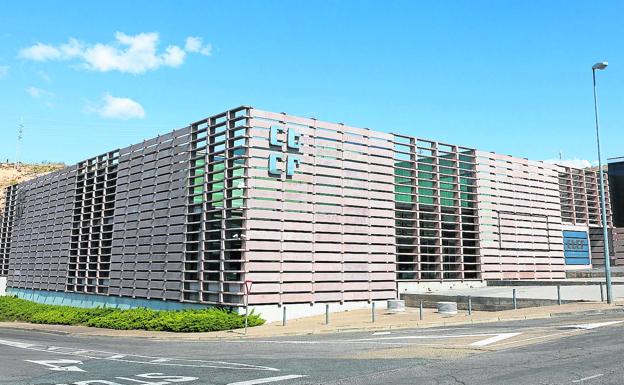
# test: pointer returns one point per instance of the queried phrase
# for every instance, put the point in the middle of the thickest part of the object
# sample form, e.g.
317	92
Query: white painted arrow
593	325
56	365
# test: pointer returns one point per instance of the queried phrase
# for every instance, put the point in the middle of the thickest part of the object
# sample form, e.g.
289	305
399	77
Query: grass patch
204	320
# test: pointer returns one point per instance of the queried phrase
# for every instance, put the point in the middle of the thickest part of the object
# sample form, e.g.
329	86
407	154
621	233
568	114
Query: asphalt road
574	350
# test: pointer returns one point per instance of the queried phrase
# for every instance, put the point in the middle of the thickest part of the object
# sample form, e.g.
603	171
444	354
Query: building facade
272	209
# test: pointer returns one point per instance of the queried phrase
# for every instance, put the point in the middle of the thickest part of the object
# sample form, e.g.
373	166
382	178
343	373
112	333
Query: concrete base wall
273	313
428	287
94	300
270	313
3	283
478	303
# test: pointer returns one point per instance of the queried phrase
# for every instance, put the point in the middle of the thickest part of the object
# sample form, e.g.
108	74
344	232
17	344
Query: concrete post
515	302
558	294
326	314
601	293
373	312
284	316
246	318
421	310
469	305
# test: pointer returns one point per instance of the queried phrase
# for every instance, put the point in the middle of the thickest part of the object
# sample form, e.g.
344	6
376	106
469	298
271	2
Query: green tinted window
447	186
447	194
426	200
466	196
447	202
402	172
403	189
444	170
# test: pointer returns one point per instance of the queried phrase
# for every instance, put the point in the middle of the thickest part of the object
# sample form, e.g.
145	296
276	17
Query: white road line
425	337
492	340
16	344
588	378
514	342
381	333
267	380
401	340
593	325
134	358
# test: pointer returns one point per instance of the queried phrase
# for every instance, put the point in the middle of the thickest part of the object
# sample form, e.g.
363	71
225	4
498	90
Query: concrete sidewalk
569	292
355	320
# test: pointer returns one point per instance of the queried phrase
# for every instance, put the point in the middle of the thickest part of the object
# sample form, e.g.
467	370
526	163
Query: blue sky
510	77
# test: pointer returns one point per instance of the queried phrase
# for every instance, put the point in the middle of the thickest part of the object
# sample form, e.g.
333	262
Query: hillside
9	175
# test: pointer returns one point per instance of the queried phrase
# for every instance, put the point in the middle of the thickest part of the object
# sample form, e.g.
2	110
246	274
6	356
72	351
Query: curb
589	312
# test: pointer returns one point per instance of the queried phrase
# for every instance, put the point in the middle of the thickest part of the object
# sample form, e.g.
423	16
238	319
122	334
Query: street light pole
605	230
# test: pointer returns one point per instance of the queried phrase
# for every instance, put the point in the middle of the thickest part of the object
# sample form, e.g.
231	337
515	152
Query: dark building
616	186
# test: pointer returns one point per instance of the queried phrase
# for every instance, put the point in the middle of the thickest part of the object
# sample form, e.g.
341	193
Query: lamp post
605	230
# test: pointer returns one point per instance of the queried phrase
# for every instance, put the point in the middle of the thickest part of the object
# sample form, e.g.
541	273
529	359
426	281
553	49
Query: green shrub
201	320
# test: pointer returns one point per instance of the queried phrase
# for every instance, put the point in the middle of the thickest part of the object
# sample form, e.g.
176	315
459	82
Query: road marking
56	365
593	325
381	333
165	379
267	380
588	378
16	344
540	337
134	358
425	337
492	340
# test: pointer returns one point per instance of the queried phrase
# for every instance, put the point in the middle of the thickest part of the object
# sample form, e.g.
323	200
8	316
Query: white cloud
174	56
575	162
38	93
40	52
4	71
118	108
134	54
196	44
